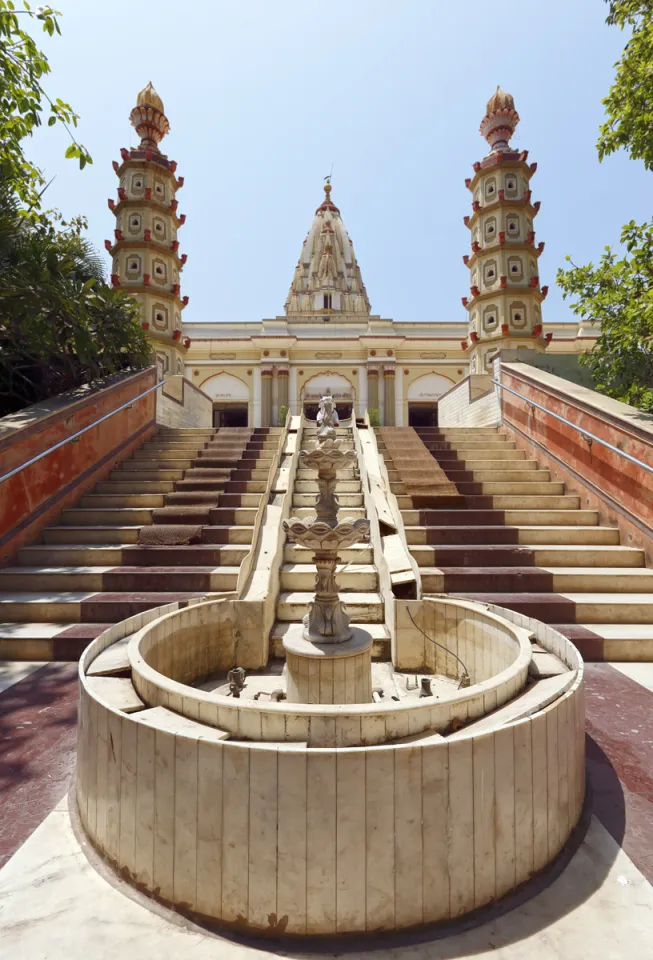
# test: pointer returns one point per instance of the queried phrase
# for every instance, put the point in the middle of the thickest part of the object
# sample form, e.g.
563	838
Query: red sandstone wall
35	497
621	491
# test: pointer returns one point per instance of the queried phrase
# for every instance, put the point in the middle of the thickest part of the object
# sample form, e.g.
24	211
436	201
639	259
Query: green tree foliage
618	292
61	325
23	99
629	104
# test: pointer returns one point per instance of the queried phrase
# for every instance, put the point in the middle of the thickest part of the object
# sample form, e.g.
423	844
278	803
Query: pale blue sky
264	95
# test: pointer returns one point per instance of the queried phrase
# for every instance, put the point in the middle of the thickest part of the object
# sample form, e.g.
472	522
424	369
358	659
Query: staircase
358	579
523	543
89	571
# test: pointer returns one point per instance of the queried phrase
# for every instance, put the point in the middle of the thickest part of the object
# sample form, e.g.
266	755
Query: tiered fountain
334	810
341	653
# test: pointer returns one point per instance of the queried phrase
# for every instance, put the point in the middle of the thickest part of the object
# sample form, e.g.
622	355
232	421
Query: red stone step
106	608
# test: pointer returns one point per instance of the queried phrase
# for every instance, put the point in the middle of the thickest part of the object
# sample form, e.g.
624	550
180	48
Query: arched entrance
230	397
340	388
422	396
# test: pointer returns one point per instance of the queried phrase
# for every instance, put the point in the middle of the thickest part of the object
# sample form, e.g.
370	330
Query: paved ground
58	903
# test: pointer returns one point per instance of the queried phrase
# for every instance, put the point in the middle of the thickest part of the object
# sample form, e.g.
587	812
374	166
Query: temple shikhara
328	334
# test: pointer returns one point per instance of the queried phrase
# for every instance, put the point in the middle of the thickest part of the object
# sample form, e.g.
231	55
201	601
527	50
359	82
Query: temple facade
328	338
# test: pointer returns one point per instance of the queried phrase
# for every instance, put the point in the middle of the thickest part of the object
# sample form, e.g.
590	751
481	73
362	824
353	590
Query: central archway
341	389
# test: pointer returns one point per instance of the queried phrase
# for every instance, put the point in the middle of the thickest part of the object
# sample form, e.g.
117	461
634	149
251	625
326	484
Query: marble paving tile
55	906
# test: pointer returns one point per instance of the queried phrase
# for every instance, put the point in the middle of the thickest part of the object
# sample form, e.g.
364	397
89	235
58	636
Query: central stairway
522	542
89	571
357	577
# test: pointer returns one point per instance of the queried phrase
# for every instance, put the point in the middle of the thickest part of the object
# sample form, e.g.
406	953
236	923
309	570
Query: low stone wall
621	491
474	402
280	838
34	497
198	641
181	404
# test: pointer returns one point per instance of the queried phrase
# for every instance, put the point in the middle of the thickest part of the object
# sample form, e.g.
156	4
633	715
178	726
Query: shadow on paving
38	720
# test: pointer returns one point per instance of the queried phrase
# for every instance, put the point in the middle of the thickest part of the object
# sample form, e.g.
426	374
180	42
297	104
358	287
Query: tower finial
500	120
148	118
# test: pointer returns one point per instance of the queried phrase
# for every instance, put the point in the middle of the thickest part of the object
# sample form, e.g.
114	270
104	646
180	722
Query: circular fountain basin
322	819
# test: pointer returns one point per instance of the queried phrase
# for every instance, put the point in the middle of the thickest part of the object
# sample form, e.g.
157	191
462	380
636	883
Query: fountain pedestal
329	672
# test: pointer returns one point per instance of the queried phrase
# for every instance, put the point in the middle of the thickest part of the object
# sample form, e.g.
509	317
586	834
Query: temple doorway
340	388
422	414
229	415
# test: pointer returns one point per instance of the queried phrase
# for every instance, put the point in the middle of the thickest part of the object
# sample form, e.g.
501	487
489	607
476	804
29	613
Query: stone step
505	579
355	577
106	555
476	455
488	443
342	486
361	607
434	432
122	579
82	606
152	464
345	513
47	641
488	555
310	475
494	517
358	553
129	535
115	487
116	516
145	476
529	475
568	607
611	641
522	535
232	516
529	488
379	632
345	500
94	501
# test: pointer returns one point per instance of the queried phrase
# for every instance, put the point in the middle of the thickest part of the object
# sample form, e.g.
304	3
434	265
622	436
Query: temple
328	336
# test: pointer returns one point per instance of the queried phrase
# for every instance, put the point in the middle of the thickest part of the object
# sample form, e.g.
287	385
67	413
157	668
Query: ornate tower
327	279
505	304
145	257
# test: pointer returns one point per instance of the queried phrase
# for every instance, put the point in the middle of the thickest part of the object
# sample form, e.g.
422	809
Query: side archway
422	398
231	400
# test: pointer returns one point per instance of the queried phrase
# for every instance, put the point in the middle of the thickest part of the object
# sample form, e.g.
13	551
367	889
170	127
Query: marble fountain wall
283	819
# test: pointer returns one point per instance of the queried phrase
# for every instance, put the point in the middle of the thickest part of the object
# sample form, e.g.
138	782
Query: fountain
328	641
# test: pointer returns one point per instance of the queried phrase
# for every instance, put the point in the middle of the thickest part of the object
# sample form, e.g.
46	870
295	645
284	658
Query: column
255	419
282	380
362	391
399	397
266	397
292	391
373	389
389	396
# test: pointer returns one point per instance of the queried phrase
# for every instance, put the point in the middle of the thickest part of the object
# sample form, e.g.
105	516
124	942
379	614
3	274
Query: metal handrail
589	438
75	436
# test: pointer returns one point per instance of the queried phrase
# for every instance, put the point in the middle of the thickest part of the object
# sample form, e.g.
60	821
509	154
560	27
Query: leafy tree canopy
629	104
619	291
61	325
23	99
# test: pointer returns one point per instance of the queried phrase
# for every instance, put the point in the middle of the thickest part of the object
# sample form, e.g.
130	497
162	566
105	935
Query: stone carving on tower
504	307
145	250
327	279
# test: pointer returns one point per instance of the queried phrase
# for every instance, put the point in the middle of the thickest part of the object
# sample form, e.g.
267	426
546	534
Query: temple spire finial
500	121
149	119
